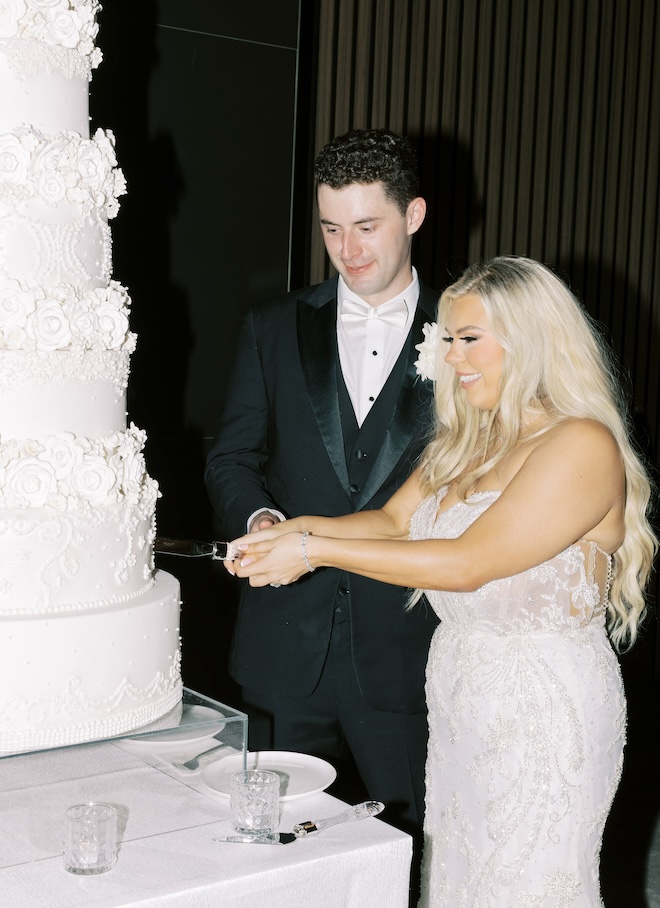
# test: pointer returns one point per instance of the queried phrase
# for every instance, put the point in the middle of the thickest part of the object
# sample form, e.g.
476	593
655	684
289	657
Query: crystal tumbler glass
254	806
90	838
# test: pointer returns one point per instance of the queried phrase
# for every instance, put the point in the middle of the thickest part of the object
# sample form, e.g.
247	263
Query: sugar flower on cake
126	443
62	453
428	352
94	480
98	177
49	327
75	473
69	24
14	162
65	166
111	315
16	304
12	15
28	482
133	476
13	337
60	319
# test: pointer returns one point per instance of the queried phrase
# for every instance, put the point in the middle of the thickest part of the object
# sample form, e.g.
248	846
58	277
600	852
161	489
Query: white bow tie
354	313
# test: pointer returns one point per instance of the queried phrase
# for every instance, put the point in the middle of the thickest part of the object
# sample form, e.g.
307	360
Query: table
167	857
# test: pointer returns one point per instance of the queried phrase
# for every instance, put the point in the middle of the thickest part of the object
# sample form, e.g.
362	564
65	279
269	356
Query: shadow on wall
142	261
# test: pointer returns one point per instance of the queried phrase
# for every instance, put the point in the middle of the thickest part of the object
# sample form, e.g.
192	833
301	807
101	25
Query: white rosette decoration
32	318
428	352
94	480
65	166
12	15
63	454
75	473
49	327
15	157
28	482
62	27
17	303
111	307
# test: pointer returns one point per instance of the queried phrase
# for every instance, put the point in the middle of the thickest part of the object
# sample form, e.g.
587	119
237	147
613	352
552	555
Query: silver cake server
191	548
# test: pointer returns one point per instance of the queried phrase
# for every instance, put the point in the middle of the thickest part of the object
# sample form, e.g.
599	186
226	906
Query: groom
327	415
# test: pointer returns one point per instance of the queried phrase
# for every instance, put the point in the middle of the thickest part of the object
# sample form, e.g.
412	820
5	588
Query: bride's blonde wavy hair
556	366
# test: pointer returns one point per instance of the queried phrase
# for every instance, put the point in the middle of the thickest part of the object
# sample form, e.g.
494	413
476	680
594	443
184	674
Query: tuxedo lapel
404	425
319	357
317	343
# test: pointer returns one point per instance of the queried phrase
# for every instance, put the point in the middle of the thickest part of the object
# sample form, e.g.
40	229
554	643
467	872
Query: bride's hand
269	557
242	542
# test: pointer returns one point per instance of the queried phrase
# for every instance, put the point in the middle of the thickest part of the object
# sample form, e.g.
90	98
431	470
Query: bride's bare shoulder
582	440
580	431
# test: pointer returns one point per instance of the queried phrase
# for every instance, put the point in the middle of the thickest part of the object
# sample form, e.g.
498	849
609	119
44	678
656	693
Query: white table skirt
167	856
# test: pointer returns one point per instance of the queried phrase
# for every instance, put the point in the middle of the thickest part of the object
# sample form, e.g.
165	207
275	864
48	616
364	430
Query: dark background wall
202	98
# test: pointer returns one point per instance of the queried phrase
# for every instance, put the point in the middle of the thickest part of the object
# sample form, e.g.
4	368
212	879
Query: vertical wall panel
538	127
538	130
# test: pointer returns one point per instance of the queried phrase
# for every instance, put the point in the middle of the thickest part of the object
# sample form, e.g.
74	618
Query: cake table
168	820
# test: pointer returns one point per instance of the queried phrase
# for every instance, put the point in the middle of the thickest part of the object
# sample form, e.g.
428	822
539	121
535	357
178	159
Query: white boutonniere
428	352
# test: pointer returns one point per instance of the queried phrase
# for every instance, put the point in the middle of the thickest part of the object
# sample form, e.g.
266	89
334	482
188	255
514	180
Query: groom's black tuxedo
289	440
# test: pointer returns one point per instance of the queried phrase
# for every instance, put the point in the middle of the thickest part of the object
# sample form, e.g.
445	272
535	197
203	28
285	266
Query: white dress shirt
369	347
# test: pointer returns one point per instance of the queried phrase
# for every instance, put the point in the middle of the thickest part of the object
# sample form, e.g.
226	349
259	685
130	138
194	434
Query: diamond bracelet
303	546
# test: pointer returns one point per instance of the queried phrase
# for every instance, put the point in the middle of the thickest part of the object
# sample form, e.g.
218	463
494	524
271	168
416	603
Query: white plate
300	775
195	724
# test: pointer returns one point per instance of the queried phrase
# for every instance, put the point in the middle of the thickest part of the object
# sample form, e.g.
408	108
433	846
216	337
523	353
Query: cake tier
48	100
91	402
76	524
70	677
77	253
53	563
56	194
64	360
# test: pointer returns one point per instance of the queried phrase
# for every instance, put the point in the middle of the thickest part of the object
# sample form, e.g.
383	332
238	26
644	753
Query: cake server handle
190	548
357	812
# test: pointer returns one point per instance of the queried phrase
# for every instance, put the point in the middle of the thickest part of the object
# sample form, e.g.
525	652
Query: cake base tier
71	678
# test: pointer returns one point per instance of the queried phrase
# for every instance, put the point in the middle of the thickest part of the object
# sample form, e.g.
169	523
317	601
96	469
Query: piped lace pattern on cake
527	726
76	518
98	686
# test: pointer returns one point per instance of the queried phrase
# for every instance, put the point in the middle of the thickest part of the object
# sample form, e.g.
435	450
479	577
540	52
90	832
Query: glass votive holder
254	805
90	838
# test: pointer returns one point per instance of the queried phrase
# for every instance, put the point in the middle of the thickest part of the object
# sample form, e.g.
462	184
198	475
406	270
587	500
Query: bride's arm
570	485
389	522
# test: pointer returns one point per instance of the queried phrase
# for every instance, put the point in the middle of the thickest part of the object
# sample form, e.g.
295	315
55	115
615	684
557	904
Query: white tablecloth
167	856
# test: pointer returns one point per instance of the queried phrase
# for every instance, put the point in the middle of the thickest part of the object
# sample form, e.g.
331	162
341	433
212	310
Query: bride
525	523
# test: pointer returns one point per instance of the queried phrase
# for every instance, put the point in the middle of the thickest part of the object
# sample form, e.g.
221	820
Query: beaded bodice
561	594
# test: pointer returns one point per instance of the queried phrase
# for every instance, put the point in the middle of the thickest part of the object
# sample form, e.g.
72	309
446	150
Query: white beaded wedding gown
527	725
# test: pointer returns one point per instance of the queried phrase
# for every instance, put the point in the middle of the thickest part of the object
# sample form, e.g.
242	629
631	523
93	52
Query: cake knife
218	551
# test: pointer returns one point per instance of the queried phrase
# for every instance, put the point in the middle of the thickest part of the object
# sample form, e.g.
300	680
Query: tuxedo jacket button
354	488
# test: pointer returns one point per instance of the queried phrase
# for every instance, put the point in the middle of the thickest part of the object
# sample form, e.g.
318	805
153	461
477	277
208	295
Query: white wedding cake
89	631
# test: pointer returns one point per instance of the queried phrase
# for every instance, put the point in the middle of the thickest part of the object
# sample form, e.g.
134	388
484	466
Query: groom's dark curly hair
370	156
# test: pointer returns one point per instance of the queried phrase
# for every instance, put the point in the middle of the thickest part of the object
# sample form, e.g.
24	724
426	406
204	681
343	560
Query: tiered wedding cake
89	633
